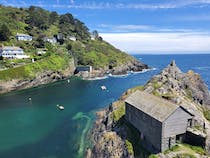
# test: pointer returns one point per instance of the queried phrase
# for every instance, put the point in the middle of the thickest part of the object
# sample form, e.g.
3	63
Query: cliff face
40	79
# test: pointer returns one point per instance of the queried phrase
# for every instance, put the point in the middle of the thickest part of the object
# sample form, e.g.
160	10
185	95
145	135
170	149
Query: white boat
60	107
103	87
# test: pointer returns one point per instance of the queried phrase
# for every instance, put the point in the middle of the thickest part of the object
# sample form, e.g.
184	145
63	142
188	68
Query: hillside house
23	37
12	52
41	51
52	40
72	38
88	69
159	122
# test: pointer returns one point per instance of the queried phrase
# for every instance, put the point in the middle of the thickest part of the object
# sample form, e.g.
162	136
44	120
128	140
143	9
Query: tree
5	33
37	17
95	34
53	17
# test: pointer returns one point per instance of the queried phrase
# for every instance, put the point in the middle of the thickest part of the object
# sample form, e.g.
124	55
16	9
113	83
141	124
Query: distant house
92	37
41	51
12	52
159	122
72	38
84	68
51	40
23	37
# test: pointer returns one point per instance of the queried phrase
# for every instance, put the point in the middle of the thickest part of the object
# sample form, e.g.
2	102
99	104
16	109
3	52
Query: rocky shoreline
131	66
110	132
53	76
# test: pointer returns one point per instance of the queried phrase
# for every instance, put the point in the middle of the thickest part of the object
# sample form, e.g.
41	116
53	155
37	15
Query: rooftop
155	107
21	34
10	48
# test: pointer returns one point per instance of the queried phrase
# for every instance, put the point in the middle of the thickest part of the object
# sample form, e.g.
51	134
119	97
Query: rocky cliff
186	89
40	79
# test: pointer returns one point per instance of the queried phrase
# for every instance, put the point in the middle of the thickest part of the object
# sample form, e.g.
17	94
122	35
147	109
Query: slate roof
156	107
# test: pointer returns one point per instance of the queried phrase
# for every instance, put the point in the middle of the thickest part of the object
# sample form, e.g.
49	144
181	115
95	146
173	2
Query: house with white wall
12	52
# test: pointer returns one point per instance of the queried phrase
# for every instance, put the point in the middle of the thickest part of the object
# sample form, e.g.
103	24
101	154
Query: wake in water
81	115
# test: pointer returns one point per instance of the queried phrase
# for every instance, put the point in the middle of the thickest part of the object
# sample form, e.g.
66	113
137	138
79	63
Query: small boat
68	81
103	87
60	107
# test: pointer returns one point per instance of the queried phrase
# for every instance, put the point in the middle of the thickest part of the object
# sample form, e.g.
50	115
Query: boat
103	87
60	107
68	81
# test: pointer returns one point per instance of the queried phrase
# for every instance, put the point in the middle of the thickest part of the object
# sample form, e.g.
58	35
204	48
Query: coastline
53	76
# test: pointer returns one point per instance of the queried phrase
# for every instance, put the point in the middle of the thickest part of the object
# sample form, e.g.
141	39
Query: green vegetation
172	149
42	24
129	147
156	85
206	113
196	149
153	156
186	148
120	111
53	62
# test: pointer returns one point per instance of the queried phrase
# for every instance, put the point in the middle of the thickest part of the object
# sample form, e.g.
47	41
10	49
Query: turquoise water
37	129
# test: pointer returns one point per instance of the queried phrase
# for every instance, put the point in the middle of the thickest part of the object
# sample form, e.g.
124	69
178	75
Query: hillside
63	38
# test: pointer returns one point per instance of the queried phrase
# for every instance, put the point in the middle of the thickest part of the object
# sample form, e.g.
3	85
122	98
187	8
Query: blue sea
37	129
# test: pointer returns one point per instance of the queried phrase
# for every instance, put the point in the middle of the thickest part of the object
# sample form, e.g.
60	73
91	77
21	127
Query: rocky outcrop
133	65
186	89
40	79
173	82
107	143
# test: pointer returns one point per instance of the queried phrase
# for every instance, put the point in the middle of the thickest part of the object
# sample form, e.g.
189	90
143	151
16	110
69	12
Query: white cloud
171	4
152	6
159	42
123	28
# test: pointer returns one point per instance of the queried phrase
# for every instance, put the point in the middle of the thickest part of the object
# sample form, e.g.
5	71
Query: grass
186	148
156	85
120	111
153	156
129	147
52	63
172	149
100	54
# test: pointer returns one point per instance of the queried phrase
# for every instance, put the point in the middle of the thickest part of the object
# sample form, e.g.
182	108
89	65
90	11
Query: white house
41	51
23	37
72	38
12	52
51	40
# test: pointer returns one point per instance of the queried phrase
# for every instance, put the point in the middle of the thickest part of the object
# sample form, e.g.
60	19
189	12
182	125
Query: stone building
160	122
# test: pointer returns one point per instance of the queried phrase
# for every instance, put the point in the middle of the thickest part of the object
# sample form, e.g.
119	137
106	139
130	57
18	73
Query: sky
140	26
